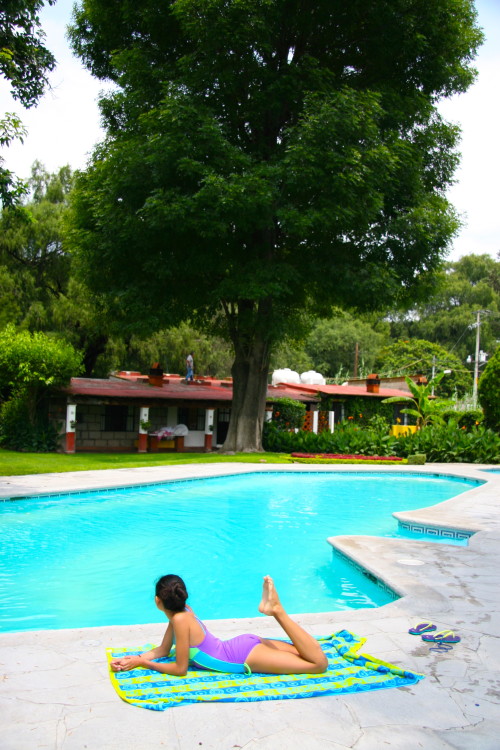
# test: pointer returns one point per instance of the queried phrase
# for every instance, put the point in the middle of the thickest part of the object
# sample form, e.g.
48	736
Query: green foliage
346	439
11	188
32	255
422	408
440	443
489	391
417	459
35	360
450	444
465	418
362	411
448	313
416	356
31	364
332	342
18	431
288	414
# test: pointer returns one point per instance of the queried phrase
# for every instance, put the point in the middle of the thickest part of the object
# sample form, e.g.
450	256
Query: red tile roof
347	390
136	386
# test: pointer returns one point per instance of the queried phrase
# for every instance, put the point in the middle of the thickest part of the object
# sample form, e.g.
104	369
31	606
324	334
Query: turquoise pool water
88	559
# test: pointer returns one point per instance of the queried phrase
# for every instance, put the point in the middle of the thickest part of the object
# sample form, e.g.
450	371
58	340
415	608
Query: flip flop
444	636
422	627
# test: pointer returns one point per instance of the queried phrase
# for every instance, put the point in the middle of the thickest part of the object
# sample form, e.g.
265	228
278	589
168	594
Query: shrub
288	414
18	432
417	459
468	418
445	443
449	443
489	392
347	439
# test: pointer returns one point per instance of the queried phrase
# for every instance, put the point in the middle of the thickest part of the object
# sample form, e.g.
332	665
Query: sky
65	126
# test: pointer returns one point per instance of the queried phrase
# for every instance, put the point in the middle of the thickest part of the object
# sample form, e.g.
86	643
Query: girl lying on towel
195	645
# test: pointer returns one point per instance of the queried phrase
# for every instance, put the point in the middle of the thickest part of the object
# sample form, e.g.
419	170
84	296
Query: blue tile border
436	531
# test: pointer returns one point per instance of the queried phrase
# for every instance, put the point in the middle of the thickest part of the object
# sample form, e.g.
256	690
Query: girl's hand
126	663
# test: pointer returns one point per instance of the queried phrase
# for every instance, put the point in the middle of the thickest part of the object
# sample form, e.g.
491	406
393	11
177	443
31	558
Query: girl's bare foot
270	603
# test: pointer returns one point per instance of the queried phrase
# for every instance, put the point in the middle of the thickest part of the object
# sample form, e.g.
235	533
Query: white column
143	417
331	421
70	418
209	421
315	420
269	415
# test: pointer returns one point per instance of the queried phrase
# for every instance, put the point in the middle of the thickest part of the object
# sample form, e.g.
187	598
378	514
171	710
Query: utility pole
356	356
476	357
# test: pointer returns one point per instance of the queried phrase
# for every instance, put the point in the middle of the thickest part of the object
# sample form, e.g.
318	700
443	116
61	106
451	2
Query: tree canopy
260	155
448	314
413	356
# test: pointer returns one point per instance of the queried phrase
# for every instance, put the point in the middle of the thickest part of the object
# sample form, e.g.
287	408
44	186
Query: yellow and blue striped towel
348	672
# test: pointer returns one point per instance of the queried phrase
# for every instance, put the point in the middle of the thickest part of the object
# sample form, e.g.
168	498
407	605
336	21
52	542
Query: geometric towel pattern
348	672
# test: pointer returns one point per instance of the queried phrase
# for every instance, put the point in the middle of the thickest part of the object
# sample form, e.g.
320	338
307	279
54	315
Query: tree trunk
250	372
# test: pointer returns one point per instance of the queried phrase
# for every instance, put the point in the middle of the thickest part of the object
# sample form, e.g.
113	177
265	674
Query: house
131	411
134	412
341	399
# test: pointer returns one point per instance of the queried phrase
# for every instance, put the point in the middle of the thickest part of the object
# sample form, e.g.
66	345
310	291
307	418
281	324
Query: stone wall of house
90	423
90	432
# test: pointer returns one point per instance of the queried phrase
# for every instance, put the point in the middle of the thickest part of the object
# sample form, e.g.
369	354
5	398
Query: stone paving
55	692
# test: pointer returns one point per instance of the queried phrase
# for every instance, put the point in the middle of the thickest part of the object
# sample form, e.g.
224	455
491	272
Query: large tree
265	153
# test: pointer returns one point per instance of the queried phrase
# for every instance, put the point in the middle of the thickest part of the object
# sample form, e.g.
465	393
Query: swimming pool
91	558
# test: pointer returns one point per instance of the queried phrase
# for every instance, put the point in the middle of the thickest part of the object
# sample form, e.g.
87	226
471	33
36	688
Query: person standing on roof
189	367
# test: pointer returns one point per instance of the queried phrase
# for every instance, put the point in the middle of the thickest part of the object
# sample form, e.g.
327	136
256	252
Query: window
192	417
115	418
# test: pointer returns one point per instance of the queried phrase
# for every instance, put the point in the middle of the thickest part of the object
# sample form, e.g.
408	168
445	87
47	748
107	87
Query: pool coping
56	692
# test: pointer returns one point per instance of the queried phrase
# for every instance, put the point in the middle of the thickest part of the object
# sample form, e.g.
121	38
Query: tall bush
489	392
288	414
30	365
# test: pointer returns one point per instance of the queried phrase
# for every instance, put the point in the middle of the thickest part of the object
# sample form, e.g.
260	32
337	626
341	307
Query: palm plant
424	408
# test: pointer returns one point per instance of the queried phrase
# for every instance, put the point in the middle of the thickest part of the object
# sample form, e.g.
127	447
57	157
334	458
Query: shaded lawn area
13	463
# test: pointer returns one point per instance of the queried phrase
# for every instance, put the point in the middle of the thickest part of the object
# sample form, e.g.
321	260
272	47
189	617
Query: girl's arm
180	624
164	648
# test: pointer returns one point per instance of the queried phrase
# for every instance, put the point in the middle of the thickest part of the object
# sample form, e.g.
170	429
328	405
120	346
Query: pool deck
55	692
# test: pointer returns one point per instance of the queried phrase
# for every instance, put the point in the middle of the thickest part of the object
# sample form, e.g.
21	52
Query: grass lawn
13	463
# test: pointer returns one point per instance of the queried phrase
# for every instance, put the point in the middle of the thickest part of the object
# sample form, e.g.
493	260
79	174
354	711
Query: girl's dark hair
172	592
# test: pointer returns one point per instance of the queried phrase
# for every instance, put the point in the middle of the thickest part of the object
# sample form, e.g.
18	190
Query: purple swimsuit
234	650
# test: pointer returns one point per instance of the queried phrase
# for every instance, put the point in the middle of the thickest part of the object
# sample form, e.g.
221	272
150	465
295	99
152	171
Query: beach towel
348	672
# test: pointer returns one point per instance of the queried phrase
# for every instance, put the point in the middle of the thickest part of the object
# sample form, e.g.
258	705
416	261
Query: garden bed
342	458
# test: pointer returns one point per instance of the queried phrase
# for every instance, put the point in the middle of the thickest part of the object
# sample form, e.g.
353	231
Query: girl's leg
271	657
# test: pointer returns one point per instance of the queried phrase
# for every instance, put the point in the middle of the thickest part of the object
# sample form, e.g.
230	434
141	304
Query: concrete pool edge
56	692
